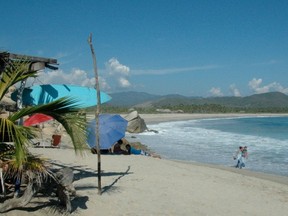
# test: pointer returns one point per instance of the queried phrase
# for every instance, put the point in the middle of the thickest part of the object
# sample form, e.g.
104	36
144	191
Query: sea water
214	141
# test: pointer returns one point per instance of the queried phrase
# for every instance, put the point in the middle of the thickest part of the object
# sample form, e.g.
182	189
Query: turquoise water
215	141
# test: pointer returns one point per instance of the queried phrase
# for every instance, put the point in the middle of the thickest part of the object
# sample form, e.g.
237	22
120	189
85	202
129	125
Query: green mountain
144	100
128	99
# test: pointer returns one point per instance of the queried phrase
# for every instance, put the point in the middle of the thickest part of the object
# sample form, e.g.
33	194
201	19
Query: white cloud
117	77
255	85
114	67
75	77
216	92
269	62
118	74
103	84
174	70
124	82
235	91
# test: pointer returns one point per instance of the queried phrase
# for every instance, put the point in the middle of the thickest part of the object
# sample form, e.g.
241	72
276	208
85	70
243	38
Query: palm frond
56	108
13	73
66	113
11	132
6	152
35	168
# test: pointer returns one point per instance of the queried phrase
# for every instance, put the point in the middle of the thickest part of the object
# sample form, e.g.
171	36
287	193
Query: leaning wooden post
97	112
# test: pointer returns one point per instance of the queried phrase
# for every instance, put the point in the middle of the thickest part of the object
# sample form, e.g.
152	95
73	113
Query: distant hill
143	100
131	98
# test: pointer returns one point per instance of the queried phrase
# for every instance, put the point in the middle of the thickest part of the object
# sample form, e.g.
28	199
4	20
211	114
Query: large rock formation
135	123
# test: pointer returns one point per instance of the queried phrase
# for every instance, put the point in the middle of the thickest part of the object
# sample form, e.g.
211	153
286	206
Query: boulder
135	123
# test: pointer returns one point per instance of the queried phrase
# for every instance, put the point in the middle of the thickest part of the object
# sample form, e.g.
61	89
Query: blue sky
193	48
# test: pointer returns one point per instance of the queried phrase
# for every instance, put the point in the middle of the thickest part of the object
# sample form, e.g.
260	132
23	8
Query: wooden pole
97	112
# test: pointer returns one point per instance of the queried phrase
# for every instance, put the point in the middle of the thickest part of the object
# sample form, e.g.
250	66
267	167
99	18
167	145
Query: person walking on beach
241	155
238	157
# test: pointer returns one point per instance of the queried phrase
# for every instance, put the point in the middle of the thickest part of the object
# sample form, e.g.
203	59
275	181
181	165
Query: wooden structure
37	63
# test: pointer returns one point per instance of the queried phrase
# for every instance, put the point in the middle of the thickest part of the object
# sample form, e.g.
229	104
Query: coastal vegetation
205	108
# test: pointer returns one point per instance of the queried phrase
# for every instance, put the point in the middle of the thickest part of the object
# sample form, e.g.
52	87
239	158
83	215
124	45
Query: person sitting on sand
117	148
131	150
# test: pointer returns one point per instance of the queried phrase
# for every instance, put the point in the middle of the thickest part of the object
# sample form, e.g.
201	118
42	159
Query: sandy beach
164	117
142	185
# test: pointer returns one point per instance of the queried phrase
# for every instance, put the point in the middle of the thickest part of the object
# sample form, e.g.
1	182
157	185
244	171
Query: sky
201	48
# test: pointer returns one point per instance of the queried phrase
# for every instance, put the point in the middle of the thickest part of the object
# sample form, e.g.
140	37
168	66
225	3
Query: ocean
214	141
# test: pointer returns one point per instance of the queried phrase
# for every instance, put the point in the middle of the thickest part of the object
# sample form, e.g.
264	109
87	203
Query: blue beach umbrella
111	129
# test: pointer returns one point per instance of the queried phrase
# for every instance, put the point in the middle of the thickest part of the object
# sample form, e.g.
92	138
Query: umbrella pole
96	113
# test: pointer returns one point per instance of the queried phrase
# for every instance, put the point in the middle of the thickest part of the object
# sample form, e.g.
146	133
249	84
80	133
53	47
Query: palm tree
20	160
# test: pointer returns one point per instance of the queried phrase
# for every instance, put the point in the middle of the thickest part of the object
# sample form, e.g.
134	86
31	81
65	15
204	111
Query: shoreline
246	172
167	117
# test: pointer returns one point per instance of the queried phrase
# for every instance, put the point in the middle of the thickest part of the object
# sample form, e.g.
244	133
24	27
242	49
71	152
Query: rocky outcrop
135	123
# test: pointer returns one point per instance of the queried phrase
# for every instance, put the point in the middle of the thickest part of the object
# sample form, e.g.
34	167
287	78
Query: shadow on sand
81	172
50	205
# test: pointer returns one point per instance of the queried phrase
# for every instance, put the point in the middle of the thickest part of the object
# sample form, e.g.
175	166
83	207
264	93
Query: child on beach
244	156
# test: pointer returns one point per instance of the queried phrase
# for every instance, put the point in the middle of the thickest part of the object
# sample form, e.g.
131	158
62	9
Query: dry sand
142	185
